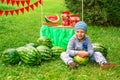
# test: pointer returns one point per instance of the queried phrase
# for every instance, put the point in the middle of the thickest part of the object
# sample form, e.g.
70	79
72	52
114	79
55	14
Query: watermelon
80	60
52	19
30	55
100	48
10	56
45	41
31	44
45	52
20	49
57	50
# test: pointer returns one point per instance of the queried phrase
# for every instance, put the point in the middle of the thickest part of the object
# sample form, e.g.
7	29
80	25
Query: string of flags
17	2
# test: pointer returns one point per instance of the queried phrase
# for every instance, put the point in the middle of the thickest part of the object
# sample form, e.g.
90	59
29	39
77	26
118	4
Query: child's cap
81	25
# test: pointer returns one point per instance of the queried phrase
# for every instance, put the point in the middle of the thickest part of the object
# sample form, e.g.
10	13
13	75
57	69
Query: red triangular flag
36	4
32	7
6	13
18	3
2	1
28	2
22	10
22	2
7	1
17	12
13	2
27	8
11	12
1	12
40	1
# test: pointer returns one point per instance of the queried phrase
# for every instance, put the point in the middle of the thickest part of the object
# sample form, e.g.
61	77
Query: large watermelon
45	41
31	44
30	55
80	60
20	49
100	48
52	19
45	52
10	56
56	50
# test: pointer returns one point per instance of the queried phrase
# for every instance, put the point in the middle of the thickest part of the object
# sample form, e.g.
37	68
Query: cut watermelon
52	19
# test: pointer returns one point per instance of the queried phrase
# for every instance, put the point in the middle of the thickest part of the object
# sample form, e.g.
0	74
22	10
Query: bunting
16	1
17	11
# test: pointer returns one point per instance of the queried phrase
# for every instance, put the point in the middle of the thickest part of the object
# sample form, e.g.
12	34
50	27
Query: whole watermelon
30	55
57	50
100	48
10	56
45	52
45	41
20	49
80	60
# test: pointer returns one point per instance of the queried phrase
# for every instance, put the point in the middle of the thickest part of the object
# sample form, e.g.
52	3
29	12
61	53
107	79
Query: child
80	45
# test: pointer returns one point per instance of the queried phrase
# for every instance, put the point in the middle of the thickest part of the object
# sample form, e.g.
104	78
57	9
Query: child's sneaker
107	66
73	65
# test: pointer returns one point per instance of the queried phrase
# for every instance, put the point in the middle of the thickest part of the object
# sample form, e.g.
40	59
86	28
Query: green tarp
59	36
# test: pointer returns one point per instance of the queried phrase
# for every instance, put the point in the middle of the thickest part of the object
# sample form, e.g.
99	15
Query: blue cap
81	25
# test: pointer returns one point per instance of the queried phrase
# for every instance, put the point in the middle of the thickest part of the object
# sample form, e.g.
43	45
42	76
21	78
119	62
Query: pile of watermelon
31	53
43	50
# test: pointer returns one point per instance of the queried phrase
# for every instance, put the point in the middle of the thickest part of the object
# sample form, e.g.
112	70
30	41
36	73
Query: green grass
18	30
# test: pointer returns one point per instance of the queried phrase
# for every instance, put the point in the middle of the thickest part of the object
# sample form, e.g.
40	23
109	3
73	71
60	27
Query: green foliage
97	12
113	12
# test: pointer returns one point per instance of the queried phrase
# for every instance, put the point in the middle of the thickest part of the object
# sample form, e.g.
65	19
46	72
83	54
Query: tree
97	12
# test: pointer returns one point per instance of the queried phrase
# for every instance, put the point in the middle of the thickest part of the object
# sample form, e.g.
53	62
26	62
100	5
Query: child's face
80	34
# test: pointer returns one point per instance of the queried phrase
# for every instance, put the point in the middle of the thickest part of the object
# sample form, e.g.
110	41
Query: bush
97	12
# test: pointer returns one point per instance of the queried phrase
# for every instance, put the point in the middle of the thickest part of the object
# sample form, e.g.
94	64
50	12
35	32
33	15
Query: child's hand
82	54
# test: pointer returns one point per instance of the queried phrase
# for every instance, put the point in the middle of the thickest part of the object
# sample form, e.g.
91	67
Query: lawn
18	30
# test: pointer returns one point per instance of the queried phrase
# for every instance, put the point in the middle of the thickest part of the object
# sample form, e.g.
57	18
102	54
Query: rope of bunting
6	12
16	1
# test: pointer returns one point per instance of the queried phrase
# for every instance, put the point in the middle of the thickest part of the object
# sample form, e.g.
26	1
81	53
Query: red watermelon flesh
52	19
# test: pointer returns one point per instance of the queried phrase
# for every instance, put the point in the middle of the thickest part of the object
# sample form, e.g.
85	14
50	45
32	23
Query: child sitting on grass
80	45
